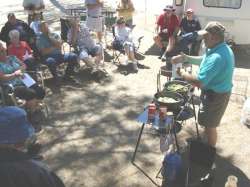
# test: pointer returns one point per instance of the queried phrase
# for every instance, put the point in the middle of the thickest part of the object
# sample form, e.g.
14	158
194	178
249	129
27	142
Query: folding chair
118	49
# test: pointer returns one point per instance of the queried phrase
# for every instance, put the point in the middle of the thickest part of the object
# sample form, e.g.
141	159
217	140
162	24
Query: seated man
167	27
91	53
190	24
23	52
17	167
50	47
124	40
26	33
11	73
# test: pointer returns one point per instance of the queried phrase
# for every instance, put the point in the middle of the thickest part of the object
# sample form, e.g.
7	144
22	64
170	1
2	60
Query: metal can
151	111
162	113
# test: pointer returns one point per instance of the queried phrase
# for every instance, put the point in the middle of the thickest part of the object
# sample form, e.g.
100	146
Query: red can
151	111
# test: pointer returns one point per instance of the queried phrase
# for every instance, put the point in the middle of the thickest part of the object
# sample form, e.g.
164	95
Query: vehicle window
178	2
223	3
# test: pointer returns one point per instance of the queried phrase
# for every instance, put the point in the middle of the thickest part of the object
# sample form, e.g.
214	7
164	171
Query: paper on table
27	80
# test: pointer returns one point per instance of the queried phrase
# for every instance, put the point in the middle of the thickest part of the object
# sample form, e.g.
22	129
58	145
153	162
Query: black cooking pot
171	106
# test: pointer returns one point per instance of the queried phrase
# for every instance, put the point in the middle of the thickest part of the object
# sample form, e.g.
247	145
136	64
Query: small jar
231	181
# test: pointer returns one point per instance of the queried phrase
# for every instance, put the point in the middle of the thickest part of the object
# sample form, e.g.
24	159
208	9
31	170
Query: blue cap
14	125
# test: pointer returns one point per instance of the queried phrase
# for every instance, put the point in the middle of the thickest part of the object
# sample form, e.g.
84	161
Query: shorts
84	53
129	46
117	45
95	24
213	106
163	36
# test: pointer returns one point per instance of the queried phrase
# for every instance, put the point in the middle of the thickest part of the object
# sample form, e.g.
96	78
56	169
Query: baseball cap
213	27
190	10
14	125
169	7
10	15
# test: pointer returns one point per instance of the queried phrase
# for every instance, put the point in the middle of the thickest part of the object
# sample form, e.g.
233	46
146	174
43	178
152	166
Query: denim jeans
53	60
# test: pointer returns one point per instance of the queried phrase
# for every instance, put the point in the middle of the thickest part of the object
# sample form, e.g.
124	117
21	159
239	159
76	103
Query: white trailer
233	14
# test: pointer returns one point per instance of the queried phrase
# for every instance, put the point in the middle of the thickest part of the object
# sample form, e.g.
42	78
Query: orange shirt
20	50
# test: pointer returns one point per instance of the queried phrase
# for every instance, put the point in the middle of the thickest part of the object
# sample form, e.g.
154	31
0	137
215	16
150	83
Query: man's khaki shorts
213	106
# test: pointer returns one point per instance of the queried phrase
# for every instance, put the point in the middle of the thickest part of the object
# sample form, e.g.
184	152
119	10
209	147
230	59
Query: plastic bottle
231	181
165	142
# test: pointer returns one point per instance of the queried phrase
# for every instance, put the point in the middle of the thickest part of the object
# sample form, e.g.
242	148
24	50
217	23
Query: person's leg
71	58
31	67
158	41
170	46
84	56
52	64
211	134
99	36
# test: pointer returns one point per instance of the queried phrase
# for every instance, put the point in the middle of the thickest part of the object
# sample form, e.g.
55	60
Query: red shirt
19	51
168	23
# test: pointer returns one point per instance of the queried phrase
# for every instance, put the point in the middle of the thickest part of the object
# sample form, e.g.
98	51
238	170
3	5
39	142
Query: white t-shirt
35	26
123	34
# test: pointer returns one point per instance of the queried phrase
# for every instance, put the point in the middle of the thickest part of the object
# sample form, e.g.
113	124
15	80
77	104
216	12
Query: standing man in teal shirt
214	77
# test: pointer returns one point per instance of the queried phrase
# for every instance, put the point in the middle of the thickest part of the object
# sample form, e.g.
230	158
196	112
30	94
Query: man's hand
18	73
181	58
180	71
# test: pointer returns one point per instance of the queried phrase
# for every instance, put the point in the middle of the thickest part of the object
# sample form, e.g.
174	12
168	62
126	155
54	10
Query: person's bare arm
10	76
131	5
189	77
181	58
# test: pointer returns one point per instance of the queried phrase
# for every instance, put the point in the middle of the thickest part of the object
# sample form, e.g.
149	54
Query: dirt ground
92	131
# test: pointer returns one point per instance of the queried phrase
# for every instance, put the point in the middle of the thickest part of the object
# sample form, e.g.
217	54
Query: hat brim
165	9
202	32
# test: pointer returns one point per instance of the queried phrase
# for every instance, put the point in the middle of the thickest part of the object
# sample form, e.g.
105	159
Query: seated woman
11	72
91	53
124	40
23	52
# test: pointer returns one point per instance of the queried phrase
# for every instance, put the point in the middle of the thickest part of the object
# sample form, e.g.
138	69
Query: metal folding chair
119	50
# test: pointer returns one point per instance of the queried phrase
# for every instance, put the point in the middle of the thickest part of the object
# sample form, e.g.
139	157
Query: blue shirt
43	41
216	69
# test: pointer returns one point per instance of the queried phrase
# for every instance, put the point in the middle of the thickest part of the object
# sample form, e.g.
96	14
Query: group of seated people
24	47
168	28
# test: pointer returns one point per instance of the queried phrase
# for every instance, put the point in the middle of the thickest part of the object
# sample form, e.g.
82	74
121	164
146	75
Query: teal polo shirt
216	69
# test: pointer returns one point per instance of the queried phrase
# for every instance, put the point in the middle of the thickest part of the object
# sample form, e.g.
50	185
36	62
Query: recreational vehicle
233	14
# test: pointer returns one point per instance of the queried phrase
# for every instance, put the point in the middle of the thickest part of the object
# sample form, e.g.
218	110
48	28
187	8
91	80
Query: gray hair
14	33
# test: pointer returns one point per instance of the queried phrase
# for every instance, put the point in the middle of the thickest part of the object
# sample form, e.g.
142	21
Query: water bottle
231	181
165	142
171	166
